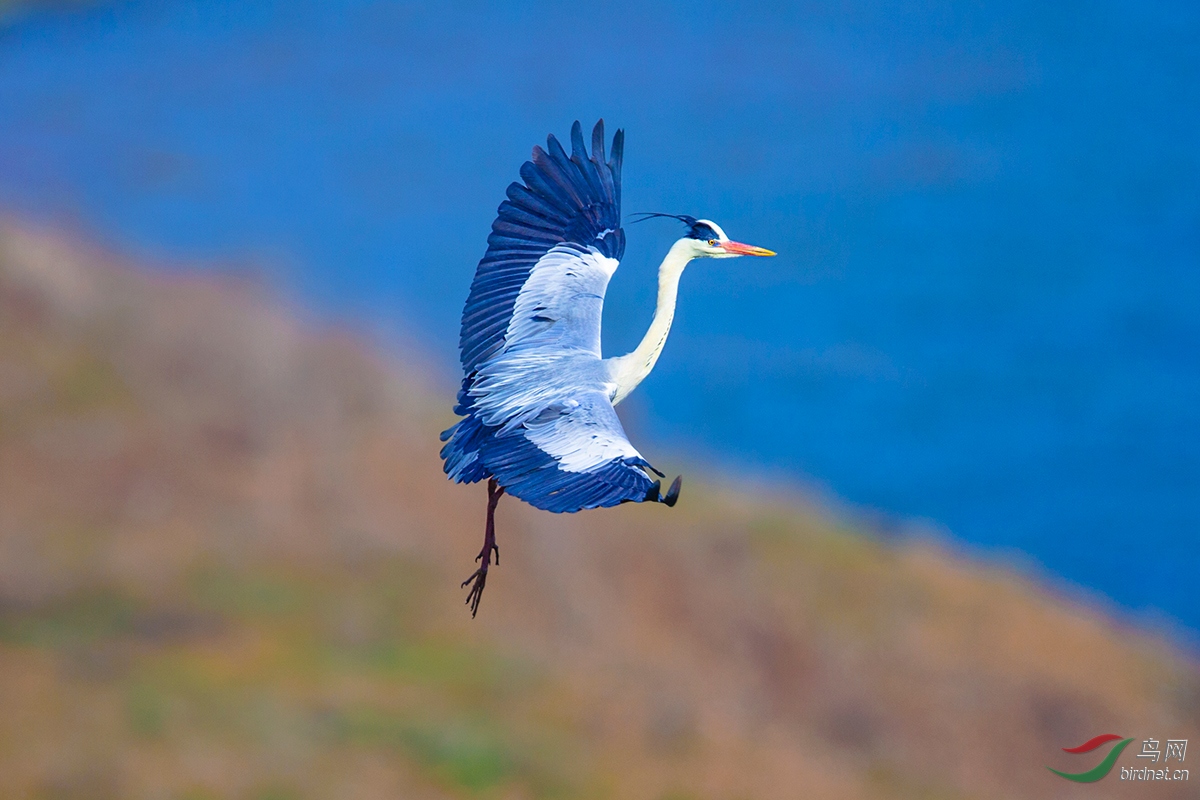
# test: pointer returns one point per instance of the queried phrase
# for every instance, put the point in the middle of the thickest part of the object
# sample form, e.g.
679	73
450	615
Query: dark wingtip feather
598	142
577	147
556	151
672	495
618	151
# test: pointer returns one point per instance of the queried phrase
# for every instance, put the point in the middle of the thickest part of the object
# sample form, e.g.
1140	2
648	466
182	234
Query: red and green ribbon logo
1104	767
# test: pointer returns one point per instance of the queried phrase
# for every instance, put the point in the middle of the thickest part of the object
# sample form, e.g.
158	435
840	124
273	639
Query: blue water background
986	308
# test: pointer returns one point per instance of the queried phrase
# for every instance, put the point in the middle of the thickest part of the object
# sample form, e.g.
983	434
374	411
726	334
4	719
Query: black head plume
697	229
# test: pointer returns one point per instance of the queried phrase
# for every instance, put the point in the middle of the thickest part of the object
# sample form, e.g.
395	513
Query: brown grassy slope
229	567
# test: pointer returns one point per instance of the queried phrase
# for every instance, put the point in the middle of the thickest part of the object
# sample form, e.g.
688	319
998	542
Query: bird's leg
479	578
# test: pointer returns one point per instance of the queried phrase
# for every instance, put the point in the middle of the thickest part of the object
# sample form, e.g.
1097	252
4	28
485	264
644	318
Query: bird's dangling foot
479	578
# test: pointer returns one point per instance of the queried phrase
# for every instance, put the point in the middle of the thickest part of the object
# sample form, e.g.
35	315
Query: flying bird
537	398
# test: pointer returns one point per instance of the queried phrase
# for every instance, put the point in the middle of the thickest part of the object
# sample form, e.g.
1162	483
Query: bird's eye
712	242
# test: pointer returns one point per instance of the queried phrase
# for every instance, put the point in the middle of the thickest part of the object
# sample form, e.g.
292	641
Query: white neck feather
629	370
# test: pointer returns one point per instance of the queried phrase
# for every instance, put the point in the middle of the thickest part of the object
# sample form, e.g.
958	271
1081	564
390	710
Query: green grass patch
889	781
196	793
471	756
146	710
461	669
249	594
78	619
275	791
88	382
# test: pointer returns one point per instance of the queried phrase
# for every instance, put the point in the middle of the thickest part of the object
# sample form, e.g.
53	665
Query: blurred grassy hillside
230	566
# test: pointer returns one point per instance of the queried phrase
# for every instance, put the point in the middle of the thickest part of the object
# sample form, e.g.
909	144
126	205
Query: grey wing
560	304
566	216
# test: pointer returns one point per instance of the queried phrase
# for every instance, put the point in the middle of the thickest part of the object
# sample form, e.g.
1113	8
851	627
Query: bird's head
707	240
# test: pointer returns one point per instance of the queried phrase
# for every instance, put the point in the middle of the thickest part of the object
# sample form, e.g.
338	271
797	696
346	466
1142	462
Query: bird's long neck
629	370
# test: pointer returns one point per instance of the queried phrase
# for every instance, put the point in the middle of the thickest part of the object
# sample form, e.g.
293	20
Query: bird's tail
460	454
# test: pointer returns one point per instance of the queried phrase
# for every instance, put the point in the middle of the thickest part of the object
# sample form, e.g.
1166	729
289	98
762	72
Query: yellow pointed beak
739	249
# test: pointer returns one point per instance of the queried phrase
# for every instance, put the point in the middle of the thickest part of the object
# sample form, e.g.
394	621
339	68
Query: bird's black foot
478	578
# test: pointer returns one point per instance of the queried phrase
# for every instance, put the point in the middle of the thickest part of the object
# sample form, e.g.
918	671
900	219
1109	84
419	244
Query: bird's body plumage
536	399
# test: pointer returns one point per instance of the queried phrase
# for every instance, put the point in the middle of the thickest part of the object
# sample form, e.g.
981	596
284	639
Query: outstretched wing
572	455
554	245
534	417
